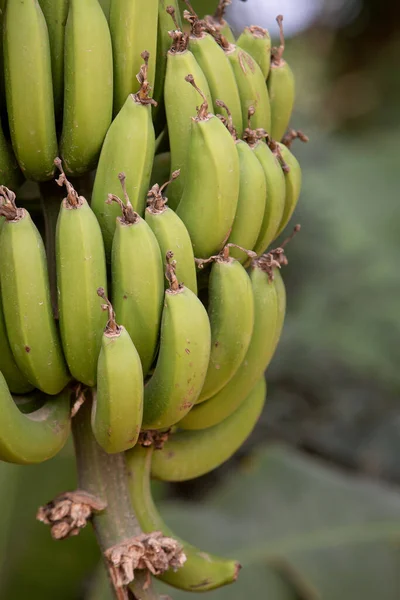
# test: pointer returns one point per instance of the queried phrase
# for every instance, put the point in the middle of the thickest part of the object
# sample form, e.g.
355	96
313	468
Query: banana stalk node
294	134
156	201
153	437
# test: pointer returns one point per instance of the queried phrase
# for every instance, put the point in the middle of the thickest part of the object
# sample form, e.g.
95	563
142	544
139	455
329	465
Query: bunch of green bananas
128	99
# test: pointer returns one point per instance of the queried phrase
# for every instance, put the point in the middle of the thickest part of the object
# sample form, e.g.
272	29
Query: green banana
251	85
163	45
133	25
106	6
27	439
252	195
218	22
293	180
269	310
16	381
26	300
202	571
118	402
276	190
281	88
56	13
81	269
128	148
88	87
210	197
29	88
137	280
183	357
216	67
161	168
190	454
257	42
231	313
180	106
171	235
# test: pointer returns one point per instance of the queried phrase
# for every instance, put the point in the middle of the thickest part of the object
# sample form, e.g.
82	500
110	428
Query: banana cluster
163	308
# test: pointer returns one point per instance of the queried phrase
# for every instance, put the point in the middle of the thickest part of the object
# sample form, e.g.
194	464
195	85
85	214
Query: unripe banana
183	357
269	304
216	67
251	86
218	22
181	101
281	88
231	313
56	13
16	381
26	300
293	178
252	195
81	269
29	88
118	402
202	571
27	439
276	190
257	42
171	235
210	197
128	148
161	168
163	45
88	86
133	25
137	280
190	454
10	174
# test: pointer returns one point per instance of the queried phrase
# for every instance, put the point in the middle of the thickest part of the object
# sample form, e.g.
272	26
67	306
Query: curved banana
88	91
211	192
257	42
190	454
163	45
16	381
281	88
251	85
29	89
118	402
137	280
216	67
181	102
133	25
27	439
276	191
202	571
81	269
293	178
218	22
25	295
171	235
231	313
269	311
56	13
252	195
183	357
128	148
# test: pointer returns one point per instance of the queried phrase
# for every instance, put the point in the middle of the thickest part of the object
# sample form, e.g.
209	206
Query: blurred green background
310	505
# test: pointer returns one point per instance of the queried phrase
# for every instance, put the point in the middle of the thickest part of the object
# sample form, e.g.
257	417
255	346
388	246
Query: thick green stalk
104	476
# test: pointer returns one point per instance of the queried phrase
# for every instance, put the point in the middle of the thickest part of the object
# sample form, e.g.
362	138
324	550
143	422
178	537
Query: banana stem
104	475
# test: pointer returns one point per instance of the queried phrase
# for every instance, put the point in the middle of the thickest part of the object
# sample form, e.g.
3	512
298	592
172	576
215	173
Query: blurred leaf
321	531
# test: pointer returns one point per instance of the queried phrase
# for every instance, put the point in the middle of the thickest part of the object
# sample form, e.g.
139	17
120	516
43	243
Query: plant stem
104	476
